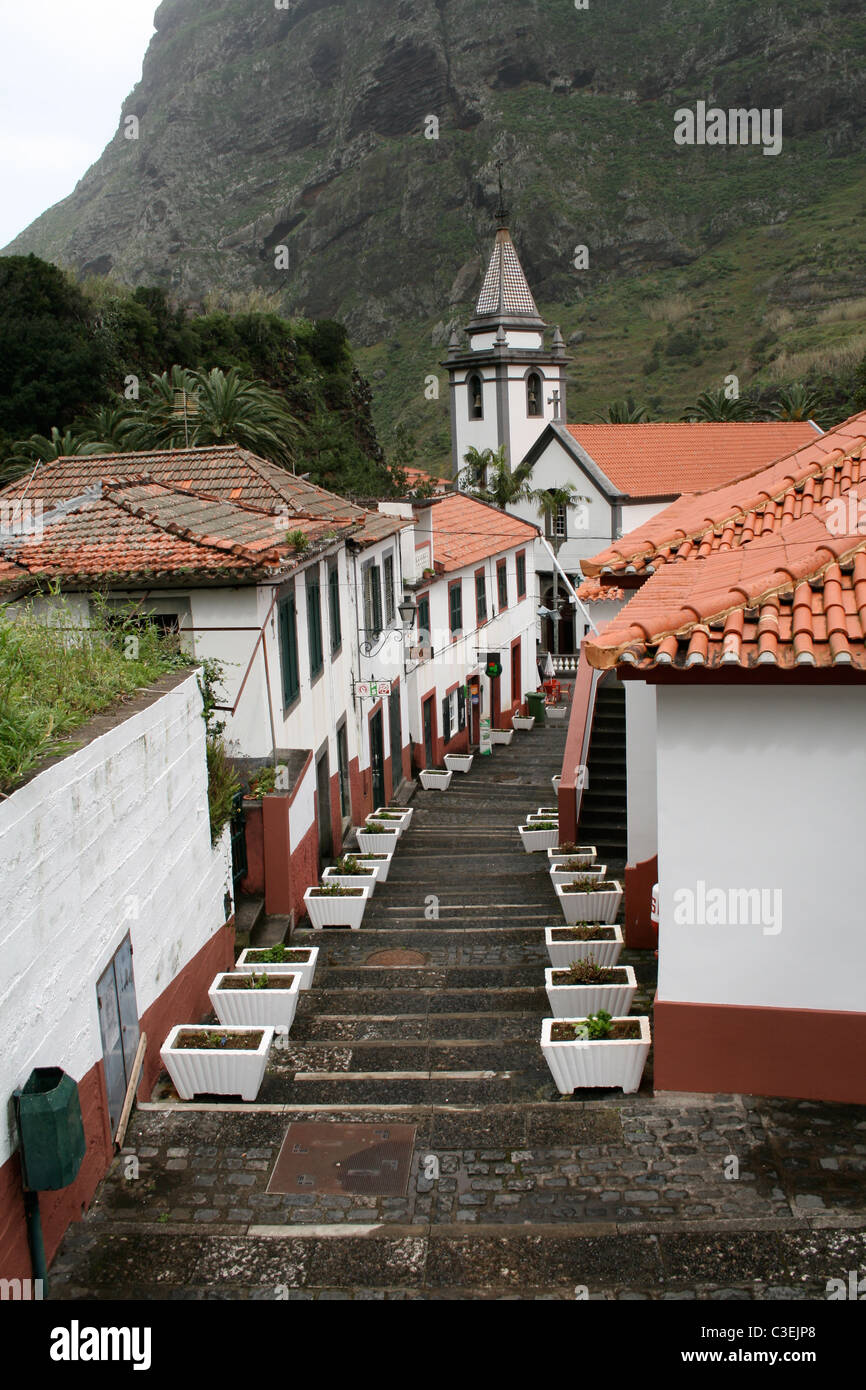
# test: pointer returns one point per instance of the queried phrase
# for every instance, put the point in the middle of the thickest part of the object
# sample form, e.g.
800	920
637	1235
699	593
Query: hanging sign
372	690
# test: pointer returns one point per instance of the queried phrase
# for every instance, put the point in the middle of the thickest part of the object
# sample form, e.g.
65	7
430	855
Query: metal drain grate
335	1158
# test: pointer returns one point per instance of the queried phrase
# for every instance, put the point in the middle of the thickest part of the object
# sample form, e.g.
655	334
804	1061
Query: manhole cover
396	957
335	1158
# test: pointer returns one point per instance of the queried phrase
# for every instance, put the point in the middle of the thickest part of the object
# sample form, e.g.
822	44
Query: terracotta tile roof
591	591
417	476
794	597
377	526
466	531
136	531
666	460
228	472
728	517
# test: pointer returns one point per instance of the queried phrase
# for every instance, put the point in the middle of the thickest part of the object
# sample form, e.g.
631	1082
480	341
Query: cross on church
554	400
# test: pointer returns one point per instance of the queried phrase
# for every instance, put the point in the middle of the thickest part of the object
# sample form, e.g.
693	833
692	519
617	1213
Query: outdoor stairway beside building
603	810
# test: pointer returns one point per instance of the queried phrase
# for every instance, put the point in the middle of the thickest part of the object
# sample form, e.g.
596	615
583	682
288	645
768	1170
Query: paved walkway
628	1196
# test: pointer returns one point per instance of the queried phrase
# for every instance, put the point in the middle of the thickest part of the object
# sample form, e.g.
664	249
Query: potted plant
396	821
209	1060
523	721
381	839
538	834
584	987
248	997
565	945
569	869
282	959
597	1051
436	779
351	873
501	736
379	861
332	905
402	813
589	899
458	762
585	853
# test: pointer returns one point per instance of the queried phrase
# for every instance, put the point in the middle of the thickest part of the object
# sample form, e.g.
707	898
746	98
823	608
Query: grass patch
56	674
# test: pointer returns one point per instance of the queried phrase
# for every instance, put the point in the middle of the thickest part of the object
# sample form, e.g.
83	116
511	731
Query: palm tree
42	448
488	477
183	409
550	502
797	403
716	405
111	425
625	412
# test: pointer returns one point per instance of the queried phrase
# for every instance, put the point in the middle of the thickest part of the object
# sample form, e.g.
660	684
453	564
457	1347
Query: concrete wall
640	725
113	839
764	788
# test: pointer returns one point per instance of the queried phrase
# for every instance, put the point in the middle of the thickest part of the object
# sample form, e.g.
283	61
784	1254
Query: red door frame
516	660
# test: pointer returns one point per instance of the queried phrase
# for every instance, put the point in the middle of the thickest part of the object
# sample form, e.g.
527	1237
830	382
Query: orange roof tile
793	597
466	531
666	460
591	591
756	505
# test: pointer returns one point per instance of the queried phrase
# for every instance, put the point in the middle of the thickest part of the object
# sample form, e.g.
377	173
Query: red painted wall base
807	1054
639	882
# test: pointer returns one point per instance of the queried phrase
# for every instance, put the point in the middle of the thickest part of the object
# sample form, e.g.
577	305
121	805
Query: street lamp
408	611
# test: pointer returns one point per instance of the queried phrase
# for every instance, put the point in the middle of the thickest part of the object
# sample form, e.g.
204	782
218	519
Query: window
480	598
476	397
446	719
424	620
390	599
288	622
455	607
372	601
502	584
314	622
556	523
343	769
461	708
521	574
334	608
534	389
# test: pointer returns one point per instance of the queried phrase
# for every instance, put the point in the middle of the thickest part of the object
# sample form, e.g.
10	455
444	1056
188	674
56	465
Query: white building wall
636	514
642	782
589	529
527	429
764	788
113	839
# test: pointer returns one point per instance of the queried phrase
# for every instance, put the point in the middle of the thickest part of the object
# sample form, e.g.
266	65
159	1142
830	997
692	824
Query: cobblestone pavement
514	1192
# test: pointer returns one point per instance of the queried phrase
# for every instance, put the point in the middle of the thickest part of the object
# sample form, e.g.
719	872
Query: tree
716	405
487	476
626	412
797	403
186	409
40	448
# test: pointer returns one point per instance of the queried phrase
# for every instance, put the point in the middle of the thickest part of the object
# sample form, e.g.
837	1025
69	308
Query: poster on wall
486	743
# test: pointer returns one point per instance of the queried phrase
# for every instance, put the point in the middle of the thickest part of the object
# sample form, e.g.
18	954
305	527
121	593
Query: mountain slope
306	128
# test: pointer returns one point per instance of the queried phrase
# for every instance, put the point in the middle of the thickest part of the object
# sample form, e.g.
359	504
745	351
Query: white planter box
524	721
557	714
306	969
367	880
585	853
565	953
549	812
536	815
579	1001
501	736
256	1008
334	911
404	812
378	844
555	781
535	840
459	762
383	865
560	875
398	825
615	1063
436	781
212	1071
599	906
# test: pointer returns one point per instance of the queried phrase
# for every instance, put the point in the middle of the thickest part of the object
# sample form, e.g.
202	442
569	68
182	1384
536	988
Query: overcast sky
67	67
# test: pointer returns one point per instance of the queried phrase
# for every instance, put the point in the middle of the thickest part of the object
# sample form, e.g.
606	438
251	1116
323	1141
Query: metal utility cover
337	1158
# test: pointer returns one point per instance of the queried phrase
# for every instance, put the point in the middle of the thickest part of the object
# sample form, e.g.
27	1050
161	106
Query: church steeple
508	385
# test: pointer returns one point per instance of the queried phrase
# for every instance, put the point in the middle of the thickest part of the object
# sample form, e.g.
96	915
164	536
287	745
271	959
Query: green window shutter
334	608
455	599
289	650
446	719
314	622
502	582
521	576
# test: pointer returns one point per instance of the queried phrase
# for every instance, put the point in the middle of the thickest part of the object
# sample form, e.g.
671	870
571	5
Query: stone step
337	1029
479	977
382	1089
435	1001
415	1055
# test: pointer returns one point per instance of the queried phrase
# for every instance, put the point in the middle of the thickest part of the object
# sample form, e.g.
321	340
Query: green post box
51	1130
535	705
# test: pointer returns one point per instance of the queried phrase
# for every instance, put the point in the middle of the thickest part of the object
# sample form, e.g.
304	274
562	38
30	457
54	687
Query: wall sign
373	690
485	742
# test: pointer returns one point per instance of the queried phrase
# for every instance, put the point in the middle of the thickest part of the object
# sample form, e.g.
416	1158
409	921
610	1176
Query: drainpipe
568	584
